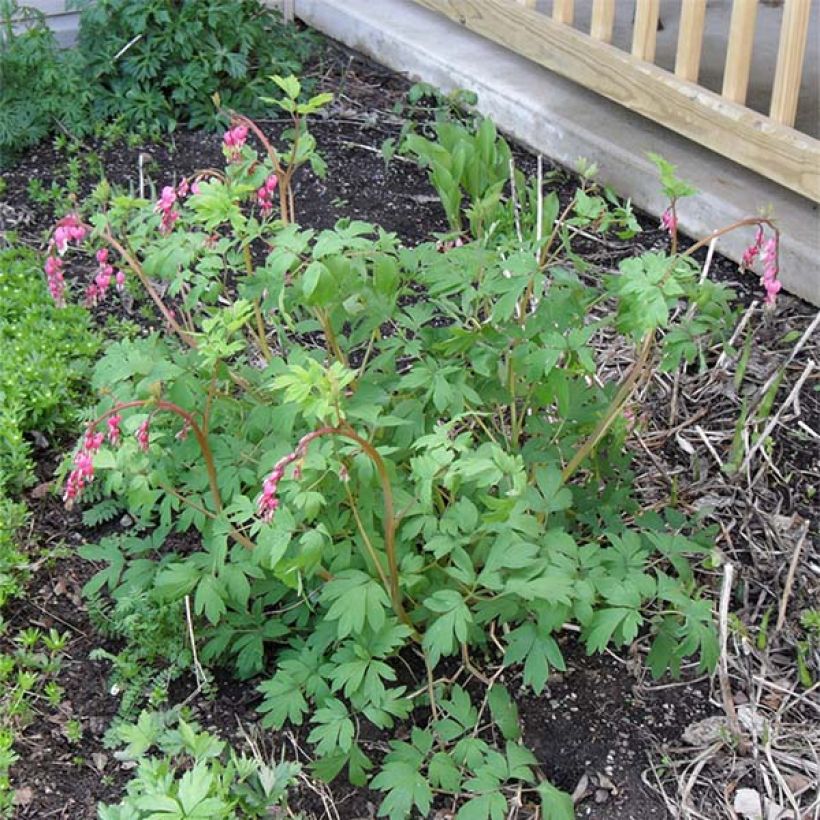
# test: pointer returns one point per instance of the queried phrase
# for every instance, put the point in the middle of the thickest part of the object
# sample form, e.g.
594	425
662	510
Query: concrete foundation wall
565	121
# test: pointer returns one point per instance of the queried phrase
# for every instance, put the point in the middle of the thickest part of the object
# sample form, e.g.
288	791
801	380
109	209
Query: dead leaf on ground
23	796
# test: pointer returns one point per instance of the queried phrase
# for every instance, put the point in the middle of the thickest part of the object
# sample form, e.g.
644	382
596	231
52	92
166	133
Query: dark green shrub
39	84
12	517
45	353
160	62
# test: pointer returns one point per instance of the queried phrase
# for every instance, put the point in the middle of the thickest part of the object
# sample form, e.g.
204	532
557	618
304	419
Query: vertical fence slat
645	31
690	39
563	11
530	4
790	55
603	20
739	50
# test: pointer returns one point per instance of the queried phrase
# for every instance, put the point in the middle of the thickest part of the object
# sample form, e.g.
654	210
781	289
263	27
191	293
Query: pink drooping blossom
97	290
114	432
264	195
183	188
54	275
669	222
443	247
769	280
268	502
750	254
81	474
142	435
93	441
183	431
233	141
767	250
165	206
120	280
68	229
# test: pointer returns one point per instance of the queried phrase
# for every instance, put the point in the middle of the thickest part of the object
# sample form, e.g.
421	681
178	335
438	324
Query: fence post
690	39
603	20
645	31
739	50
790	55
563	11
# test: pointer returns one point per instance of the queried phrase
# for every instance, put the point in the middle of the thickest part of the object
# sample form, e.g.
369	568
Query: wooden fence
767	144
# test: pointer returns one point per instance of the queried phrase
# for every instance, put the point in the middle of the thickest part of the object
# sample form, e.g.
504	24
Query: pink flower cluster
264	195
56	282
165	206
69	229
767	249
98	288
143	433
184	188
114	432
769	280
233	141
750	254
268	502
82	473
669	222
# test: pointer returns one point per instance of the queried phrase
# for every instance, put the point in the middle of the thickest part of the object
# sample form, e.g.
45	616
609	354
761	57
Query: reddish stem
200	435
389	511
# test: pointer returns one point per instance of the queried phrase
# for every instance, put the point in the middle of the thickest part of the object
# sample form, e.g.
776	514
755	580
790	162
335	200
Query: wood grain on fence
690	39
603	20
790	55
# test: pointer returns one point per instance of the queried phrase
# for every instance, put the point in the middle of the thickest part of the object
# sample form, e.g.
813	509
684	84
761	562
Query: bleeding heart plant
396	451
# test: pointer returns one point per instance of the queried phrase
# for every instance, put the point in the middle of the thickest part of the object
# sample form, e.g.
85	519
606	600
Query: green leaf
139	737
550	482
290	85
555	804
605	623
318	286
504	712
273	540
491	806
406	788
283	701
355	597
109	550
538	651
444	773
176	581
334	729
208	599
193	793
520	761
450	626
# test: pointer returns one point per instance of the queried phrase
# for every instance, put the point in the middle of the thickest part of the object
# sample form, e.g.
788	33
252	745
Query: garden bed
601	729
